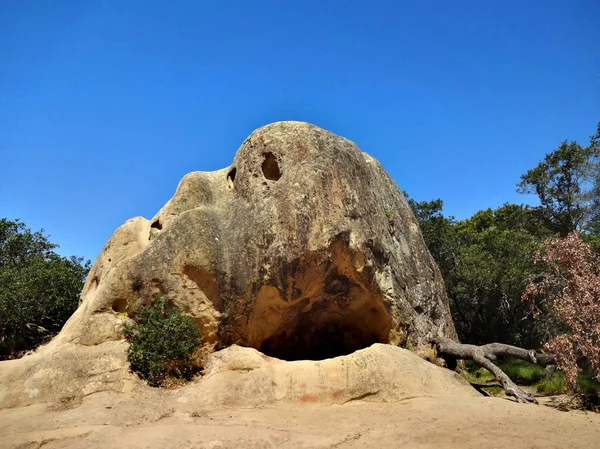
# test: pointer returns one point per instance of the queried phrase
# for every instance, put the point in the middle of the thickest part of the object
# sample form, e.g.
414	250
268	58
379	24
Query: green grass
476	375
481	378
526	374
522	372
553	386
494	390
556	385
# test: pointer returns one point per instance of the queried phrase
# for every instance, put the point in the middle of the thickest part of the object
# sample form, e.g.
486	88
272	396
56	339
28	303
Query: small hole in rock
156	224
231	177
270	167
120	305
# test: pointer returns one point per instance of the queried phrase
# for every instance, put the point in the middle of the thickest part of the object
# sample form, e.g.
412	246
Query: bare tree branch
485	355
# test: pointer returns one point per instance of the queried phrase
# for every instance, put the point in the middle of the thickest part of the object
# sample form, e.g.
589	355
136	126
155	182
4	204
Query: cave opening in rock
322	308
270	167
328	330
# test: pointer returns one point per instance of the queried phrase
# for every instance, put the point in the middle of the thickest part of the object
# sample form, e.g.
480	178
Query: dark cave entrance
326	331
322	308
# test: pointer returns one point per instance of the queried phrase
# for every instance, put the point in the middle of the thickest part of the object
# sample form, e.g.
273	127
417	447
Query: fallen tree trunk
485	355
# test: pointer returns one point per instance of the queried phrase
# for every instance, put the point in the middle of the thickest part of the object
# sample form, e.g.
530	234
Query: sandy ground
103	422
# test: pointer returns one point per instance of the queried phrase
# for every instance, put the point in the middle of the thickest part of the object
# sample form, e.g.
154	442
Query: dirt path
414	423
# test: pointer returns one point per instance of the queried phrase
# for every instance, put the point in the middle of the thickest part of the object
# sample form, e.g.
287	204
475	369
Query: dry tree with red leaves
569	290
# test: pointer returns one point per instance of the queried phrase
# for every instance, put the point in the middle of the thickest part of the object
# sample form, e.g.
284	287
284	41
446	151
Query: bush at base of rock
163	340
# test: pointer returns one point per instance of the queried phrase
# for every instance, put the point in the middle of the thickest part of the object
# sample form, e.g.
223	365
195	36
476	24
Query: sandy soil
108	422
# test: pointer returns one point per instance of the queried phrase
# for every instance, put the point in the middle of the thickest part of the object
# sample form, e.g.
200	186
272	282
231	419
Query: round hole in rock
270	167
326	331
120	305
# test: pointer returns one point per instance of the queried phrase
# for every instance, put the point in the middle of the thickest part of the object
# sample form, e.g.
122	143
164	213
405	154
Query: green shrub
163	340
588	383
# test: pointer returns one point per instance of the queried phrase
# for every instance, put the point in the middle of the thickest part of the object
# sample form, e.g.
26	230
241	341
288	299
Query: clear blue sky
105	105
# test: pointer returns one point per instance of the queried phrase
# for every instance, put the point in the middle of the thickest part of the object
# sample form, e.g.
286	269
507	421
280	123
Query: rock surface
303	248
233	377
239	376
109	421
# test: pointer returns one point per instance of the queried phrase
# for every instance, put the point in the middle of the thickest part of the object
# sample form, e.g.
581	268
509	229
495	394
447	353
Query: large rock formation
303	248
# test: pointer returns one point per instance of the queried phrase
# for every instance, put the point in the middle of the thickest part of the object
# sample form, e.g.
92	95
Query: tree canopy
487	260
39	288
564	184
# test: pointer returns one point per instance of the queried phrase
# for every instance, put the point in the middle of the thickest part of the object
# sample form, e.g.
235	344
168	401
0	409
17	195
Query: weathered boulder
304	248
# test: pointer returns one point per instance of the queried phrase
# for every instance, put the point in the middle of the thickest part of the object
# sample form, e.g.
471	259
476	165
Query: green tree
438	232
39	289
593	227
485	262
495	259
563	182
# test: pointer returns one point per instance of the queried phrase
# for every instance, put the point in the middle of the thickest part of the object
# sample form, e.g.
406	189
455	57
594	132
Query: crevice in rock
270	167
362	396
231	177
136	285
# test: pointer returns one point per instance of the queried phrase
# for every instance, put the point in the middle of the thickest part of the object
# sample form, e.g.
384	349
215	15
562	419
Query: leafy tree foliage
438	232
568	288
485	262
39	289
563	183
496	259
163	341
592	234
